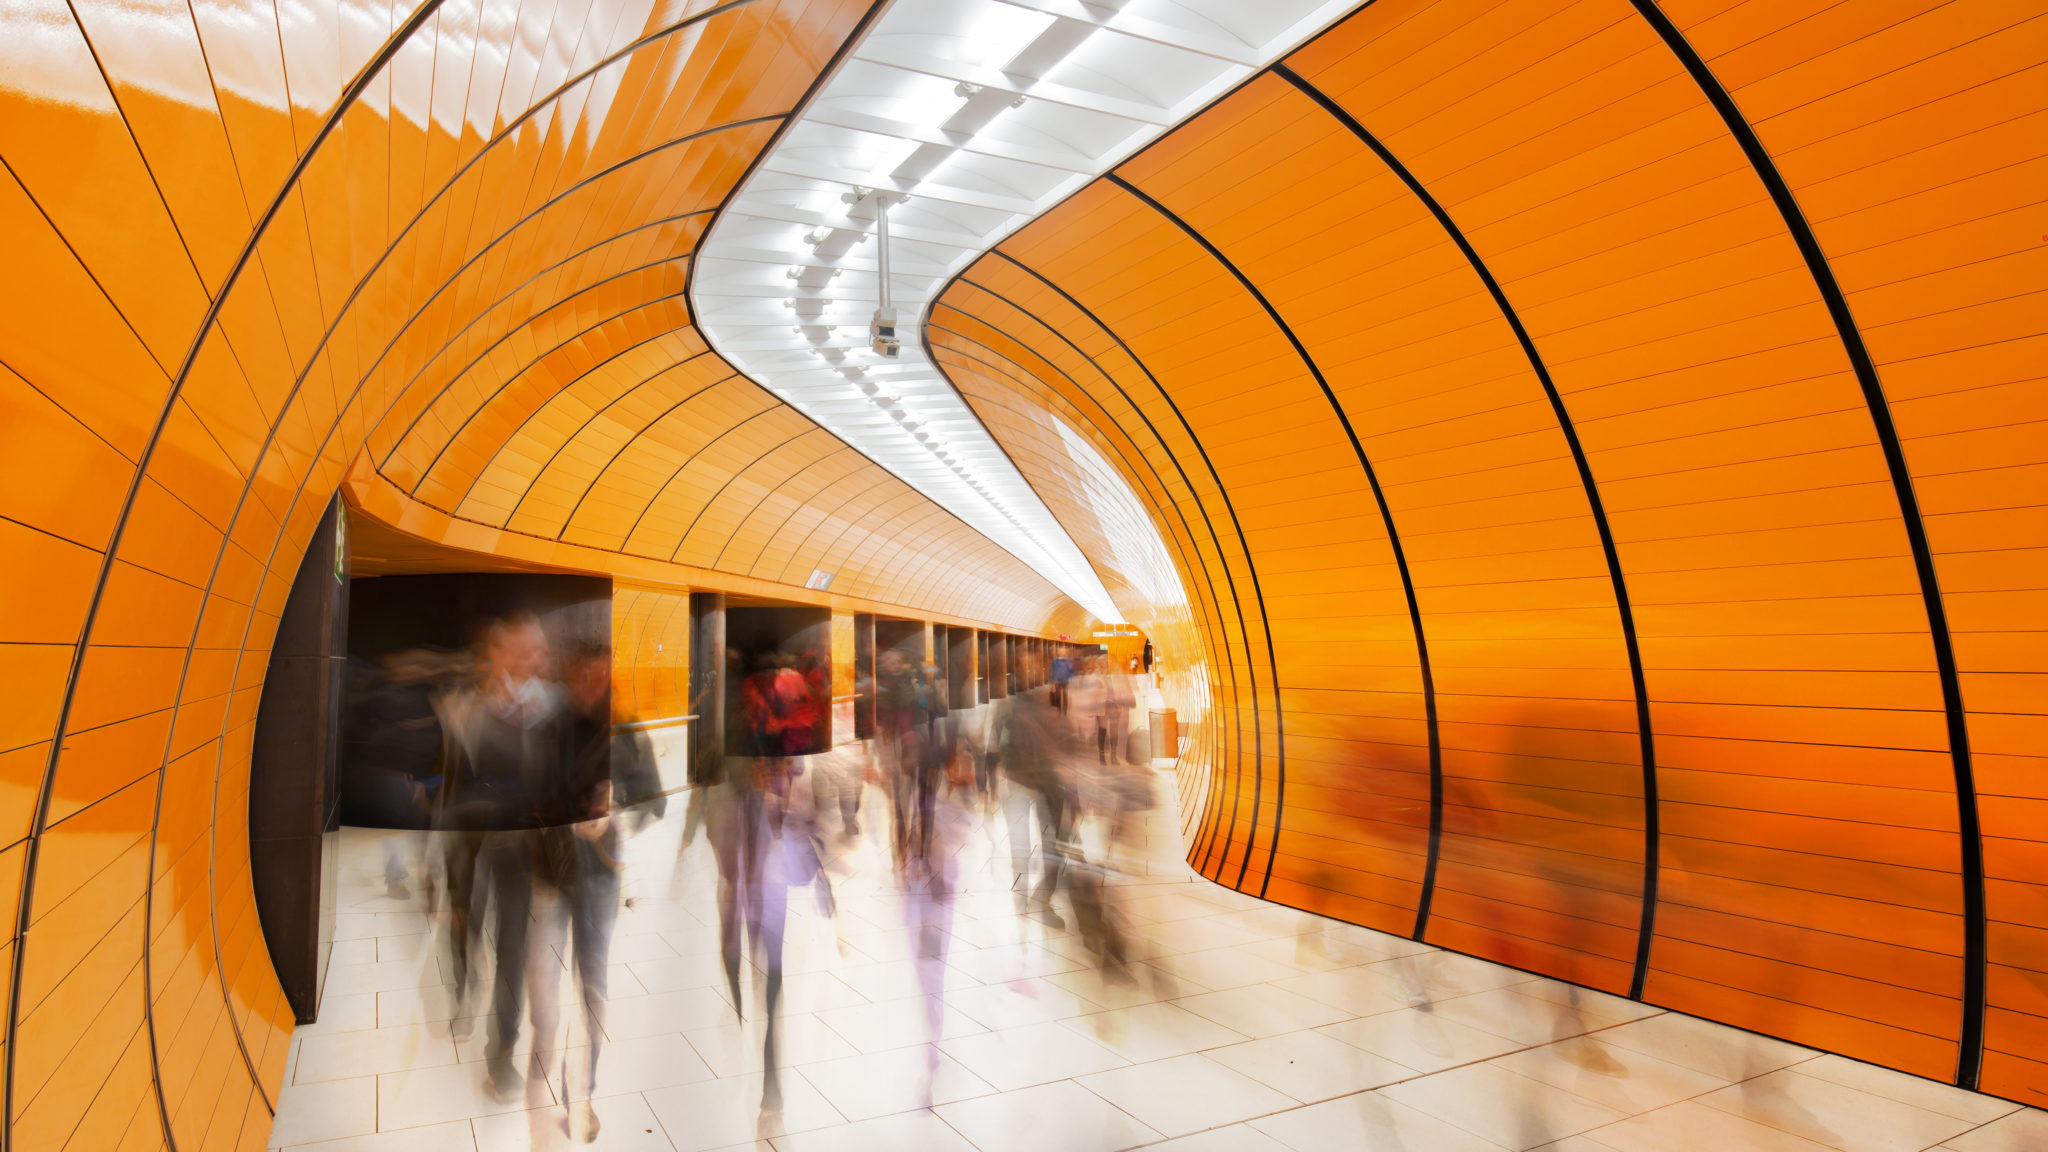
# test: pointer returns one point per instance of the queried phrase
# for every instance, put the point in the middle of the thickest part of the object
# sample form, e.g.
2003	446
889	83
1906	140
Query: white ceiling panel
968	118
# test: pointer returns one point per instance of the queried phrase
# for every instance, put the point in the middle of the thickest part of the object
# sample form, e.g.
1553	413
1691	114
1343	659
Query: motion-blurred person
394	761
930	881
754	869
512	739
1062	672
1030	750
611	780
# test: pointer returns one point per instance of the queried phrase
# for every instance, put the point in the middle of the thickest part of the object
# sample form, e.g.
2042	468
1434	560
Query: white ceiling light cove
964	120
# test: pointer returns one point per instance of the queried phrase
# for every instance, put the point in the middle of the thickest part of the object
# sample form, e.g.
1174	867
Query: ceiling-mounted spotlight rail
882	329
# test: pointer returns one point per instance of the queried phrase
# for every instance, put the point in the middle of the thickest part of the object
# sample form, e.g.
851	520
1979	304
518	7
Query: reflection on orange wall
1599	449
650	653
250	251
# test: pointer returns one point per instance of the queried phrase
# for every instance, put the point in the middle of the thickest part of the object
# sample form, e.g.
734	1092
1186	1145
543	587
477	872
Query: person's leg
1051	835
768	907
508	862
593	917
724	832
459	871
547	942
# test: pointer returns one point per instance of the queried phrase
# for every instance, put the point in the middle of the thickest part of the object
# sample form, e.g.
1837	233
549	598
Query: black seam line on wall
797	505
516	225
823	515
888	507
924	338
729	480
902	540
513	291
1970	1046
455	434
782	577
247	488
25	905
1646	734
156	185
773	492
655	496
1211	819
506	132
341	107
614	402
1108	420
598	477
510	332
899	533
1213	827
1386	518
1180	543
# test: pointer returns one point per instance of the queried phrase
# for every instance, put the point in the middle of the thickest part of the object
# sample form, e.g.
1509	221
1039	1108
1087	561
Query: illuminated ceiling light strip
968	119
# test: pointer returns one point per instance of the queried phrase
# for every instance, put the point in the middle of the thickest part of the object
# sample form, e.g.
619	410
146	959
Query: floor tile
716	1113
899	1080
625	1124
632	1065
1917	1091
1185	1094
342	1013
903	1132
1620	1078
325	1110
2022	1131
1494	1104
683	1010
1019	1002
1704	1046
424	972
896	1024
1830	1113
735	1048
1690	1126
1152	1031
1062	1116
1262	1010
1363	991
454	1136
1310	1066
341	1055
454	1091
1031	1054
1531	1020
1420	1040
1368	1122
1230	1138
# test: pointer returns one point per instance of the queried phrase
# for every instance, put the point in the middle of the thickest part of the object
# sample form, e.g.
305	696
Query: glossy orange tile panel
1616	426
448	192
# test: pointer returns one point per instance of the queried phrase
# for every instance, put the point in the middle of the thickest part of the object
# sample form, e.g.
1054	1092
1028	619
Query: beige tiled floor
1244	1028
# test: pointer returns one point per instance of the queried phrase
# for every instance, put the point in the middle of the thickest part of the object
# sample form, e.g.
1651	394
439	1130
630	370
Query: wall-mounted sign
1100	634
819	581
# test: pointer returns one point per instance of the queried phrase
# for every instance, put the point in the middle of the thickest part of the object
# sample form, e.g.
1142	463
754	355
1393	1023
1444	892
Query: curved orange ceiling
1598	444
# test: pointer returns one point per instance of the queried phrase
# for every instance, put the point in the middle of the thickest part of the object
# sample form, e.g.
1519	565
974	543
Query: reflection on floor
1247	1027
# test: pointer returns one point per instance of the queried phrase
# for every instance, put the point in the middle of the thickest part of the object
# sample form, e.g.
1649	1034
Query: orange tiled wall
251	250
1603	449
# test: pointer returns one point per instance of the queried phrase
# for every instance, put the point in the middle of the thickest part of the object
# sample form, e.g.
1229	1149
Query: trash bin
1165	734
